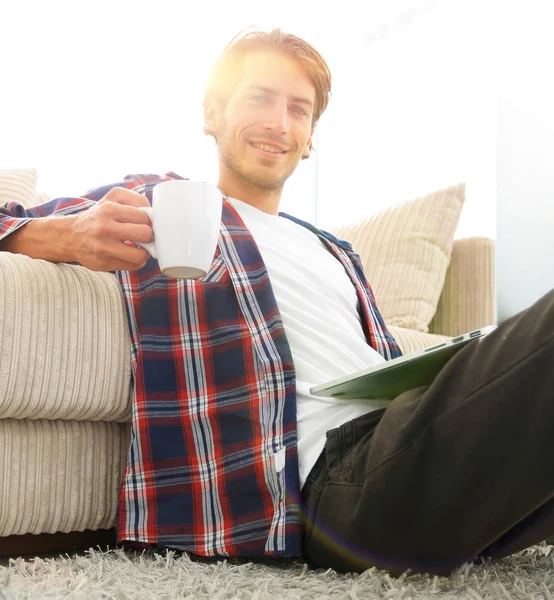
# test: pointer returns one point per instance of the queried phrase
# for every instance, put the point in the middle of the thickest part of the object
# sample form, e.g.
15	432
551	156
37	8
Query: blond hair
226	70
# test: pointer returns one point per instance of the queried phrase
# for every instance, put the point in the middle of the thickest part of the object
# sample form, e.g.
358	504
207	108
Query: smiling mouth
268	150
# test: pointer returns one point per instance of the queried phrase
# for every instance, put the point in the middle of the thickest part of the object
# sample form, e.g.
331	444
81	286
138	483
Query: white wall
89	95
412	111
92	91
525	156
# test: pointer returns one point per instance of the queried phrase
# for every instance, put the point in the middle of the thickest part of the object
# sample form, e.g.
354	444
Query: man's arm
45	238
94	238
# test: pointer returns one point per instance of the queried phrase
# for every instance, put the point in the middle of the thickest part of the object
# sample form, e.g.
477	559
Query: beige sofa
65	382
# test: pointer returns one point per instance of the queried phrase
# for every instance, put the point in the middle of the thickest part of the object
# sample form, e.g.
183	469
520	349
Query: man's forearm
95	237
48	238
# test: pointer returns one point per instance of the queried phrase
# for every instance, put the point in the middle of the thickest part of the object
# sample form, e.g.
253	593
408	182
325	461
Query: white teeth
268	148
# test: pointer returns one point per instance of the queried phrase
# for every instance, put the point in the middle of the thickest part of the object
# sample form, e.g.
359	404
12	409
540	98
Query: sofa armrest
410	340
64	342
468	298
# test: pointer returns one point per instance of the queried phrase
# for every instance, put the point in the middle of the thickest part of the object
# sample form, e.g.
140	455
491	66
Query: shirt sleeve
14	215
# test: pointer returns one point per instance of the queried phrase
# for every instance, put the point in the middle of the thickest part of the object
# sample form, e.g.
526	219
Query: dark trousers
449	473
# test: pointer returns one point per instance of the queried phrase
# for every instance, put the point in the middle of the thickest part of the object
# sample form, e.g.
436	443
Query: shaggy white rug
119	576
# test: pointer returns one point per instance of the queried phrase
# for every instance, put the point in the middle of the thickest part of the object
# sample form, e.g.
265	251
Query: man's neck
265	200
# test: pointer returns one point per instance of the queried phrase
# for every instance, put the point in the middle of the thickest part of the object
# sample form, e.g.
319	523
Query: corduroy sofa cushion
64	342
405	251
18	185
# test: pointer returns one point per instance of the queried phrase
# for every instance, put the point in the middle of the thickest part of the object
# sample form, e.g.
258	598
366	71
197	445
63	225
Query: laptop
389	379
524	248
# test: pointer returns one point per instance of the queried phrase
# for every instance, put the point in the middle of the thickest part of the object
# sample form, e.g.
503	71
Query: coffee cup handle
148	246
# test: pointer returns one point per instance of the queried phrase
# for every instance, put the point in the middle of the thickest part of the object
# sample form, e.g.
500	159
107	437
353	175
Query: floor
5	560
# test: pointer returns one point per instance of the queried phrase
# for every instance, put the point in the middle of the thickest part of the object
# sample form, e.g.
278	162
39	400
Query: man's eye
299	110
258	98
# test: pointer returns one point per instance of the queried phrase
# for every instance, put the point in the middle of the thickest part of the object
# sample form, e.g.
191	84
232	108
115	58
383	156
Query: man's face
266	126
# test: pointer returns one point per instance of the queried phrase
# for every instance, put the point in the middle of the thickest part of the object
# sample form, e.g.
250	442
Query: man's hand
99	235
97	238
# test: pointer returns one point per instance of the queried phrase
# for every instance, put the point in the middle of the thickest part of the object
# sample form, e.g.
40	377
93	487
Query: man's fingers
130	231
123	196
124	213
118	251
120	265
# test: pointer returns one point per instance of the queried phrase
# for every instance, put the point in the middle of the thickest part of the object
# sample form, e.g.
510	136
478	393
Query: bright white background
93	91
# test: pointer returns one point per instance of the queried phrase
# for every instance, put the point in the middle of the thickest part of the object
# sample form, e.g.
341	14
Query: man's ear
211	118
308	147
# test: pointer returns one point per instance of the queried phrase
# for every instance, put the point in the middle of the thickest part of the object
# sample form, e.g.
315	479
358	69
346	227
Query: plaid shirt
212	466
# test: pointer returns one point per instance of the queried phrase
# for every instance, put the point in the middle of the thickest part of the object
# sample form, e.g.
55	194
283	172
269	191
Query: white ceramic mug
186	218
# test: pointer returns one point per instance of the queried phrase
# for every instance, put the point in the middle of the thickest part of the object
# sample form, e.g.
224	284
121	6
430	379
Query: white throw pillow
405	251
41	198
18	185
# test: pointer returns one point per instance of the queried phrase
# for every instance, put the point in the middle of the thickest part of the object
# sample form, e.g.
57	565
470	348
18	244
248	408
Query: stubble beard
249	175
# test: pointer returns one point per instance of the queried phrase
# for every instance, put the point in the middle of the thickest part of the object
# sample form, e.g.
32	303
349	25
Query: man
230	454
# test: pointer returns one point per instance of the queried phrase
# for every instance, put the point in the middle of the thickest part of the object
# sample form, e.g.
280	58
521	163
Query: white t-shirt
318	305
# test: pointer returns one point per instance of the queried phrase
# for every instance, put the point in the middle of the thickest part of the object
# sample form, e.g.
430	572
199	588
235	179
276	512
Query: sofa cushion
64	342
18	185
468	298
410	340
60	475
405	251
42	198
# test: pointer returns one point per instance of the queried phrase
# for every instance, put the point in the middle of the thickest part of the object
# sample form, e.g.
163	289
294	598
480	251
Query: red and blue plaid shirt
214	394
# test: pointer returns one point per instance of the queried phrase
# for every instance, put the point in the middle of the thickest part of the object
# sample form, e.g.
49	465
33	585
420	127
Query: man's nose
277	118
